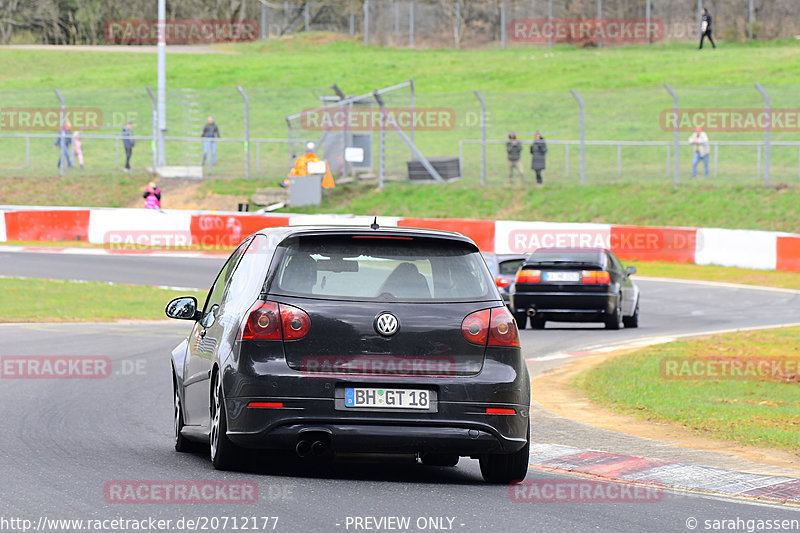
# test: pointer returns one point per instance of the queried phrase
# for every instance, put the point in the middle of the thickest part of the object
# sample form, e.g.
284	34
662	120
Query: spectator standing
538	160
152	196
513	152
705	29
128	142
63	142
699	140
210	131
77	145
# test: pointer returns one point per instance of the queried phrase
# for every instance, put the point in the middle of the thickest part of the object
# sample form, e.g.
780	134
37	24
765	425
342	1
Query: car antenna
374	224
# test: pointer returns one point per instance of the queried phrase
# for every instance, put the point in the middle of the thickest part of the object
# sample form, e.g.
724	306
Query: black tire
522	319
615	320
440	459
633	320
537	323
182	444
509	467
224	453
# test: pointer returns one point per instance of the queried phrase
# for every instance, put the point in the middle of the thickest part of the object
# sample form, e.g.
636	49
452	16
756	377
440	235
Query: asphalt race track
66	443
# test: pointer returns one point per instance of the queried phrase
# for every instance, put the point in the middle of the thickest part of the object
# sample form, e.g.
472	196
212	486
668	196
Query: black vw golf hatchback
326	340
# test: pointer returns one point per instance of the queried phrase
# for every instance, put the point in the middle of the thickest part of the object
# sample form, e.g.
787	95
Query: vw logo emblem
386	324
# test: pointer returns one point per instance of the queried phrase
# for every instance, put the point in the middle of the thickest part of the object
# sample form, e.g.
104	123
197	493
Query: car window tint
368	268
248	278
218	289
510	267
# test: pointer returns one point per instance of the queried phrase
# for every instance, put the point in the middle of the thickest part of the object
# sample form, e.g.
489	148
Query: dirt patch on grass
553	391
187	194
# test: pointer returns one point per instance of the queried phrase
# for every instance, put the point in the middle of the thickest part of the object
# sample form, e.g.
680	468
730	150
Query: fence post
62	137
503	25
411	24
396	15
599	17
457	28
583	134
483	136
366	22
767	131
750	20
263	21
676	142
550	20
413	102
647	19
306	16
155	127
162	82
246	131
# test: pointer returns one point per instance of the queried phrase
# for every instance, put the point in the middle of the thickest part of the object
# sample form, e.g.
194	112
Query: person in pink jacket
77	146
152	196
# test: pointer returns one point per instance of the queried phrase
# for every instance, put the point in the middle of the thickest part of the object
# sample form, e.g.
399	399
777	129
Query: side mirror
630	270
183	308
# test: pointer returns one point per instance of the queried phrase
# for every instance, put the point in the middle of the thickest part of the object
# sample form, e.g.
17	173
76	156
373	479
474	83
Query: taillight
495	327
502	282
595	276
262	322
529	276
295	322
503	331
475	327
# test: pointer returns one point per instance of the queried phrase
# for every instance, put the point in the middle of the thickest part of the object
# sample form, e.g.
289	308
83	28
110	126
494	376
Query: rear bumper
386	436
567	306
457	421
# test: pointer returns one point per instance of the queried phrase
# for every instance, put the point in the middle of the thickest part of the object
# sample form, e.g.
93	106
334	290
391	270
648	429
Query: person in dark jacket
705	29
513	151
210	130
538	151
128	143
63	142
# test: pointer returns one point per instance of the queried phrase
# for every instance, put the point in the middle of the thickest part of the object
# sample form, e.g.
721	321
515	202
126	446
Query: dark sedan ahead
575	285
323	340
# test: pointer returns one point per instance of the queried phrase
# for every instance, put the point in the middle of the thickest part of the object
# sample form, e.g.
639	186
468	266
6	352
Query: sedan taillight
263	324
495	327
529	276
595	276
502	282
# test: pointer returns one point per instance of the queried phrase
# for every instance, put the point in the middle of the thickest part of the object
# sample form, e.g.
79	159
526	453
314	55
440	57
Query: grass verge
745	276
30	300
753	409
692	204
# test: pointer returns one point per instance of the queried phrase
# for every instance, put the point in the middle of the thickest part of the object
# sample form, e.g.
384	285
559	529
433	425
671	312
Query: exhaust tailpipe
318	448
303	448
531	312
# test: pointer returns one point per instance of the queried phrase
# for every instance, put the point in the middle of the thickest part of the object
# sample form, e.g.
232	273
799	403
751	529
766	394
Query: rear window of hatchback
365	267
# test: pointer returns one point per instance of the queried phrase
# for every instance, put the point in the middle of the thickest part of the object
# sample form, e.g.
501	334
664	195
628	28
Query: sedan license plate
387	398
562	276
